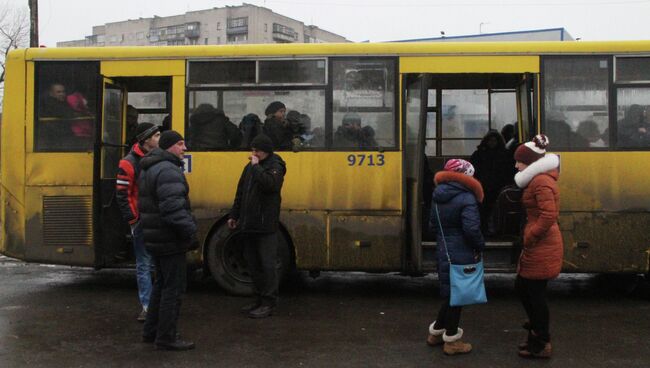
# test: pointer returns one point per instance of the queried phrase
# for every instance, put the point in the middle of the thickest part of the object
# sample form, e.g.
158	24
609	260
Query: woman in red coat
541	257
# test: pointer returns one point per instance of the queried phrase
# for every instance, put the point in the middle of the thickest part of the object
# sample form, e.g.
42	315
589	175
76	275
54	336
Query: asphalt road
53	316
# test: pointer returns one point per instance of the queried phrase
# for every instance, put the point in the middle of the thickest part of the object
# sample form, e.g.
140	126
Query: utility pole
33	23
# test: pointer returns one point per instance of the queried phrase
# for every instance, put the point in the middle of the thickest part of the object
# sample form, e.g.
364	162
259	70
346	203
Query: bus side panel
605	242
604	202
13	156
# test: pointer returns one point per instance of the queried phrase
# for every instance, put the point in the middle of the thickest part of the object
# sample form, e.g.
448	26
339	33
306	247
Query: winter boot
435	336
453	344
537	347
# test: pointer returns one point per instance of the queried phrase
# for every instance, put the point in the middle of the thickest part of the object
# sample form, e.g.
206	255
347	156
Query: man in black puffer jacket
256	213
169	233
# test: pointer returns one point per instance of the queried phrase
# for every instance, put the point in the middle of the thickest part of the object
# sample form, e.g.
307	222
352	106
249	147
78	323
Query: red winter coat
541	256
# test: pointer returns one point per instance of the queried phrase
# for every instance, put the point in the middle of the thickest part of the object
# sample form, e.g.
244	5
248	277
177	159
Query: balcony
237	30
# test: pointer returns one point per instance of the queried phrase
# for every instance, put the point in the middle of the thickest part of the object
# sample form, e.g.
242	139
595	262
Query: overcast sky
375	20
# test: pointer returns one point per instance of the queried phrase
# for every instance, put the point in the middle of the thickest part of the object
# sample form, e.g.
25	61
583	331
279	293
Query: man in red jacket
147	135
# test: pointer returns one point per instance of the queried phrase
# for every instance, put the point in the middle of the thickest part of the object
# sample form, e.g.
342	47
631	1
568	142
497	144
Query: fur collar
547	163
467	181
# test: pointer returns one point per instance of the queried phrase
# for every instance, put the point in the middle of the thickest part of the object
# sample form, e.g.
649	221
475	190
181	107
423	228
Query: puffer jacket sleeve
124	192
471	220
173	204
269	179
545	199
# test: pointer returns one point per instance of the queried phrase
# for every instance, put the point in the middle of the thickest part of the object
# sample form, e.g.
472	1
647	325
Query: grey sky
376	20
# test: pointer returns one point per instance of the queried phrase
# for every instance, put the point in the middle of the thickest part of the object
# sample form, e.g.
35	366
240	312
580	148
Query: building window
282	33
218	40
205	41
218	26
238	38
238	22
266	27
139	35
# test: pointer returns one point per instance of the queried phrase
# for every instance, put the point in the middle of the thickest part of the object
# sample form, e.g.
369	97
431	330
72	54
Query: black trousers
448	318
166	297
532	294
261	253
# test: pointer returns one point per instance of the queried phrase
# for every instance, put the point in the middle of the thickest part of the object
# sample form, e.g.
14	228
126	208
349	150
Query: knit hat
144	131
460	166
169	138
274	107
263	143
532	151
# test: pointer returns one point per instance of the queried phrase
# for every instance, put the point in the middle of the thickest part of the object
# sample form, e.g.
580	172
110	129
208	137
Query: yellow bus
346	205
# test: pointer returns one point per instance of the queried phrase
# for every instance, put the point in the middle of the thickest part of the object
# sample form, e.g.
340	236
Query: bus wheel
229	267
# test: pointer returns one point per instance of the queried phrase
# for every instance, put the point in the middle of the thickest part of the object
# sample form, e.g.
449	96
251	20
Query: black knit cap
169	138
144	131
262	142
274	107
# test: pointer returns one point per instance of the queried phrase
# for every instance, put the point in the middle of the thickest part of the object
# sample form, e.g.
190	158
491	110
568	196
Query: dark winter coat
495	168
280	133
210	129
164	204
258	199
457	196
542	254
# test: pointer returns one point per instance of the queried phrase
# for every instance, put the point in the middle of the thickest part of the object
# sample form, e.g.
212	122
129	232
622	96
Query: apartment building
227	25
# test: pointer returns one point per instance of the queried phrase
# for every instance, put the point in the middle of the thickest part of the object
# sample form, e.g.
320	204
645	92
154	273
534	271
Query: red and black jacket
126	188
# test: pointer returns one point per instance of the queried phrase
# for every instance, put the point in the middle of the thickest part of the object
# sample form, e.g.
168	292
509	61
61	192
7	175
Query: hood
205	114
549	164
159	155
450	184
501	145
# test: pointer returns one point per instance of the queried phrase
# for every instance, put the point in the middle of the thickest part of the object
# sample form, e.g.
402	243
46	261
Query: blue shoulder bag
466	281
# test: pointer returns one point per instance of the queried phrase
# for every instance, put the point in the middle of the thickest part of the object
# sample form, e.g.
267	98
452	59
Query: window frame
327	87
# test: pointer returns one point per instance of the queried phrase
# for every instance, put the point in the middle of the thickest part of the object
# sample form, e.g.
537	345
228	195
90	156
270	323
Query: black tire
227	265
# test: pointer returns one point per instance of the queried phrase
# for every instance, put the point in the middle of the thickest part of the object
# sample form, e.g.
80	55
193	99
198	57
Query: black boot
178	345
262	311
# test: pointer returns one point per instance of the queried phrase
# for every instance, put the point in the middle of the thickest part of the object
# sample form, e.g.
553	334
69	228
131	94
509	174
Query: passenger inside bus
277	127
509	134
54	104
131	125
211	129
560	132
352	135
311	137
495	169
82	125
633	129
588	129
250	126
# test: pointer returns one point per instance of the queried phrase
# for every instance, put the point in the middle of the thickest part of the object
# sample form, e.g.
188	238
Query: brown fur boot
453	344
435	336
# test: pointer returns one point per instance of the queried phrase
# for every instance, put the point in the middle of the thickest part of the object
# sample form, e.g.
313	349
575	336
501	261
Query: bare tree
14	32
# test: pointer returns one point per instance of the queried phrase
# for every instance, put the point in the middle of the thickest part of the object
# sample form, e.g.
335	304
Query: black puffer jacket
258	199
164	204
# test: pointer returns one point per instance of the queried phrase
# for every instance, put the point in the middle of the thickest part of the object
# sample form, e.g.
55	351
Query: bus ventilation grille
67	221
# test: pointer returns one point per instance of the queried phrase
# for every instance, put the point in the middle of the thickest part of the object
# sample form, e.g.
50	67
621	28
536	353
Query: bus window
576	113
633	102
363	113
465	120
205	73
66	106
292	71
632	117
305	111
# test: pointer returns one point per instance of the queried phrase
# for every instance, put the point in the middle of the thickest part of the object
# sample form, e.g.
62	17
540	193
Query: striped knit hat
460	166
532	151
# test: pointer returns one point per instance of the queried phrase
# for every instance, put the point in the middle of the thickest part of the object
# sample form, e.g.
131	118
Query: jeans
142	265
261	253
448	318
166	298
532	294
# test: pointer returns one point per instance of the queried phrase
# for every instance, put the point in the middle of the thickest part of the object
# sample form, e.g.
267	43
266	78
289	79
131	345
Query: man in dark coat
277	127
255	213
169	233
351	135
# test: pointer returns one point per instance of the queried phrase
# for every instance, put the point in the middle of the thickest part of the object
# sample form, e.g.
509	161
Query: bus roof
412	49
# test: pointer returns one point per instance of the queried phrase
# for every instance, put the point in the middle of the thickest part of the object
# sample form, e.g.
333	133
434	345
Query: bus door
526	108
415	117
111	243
